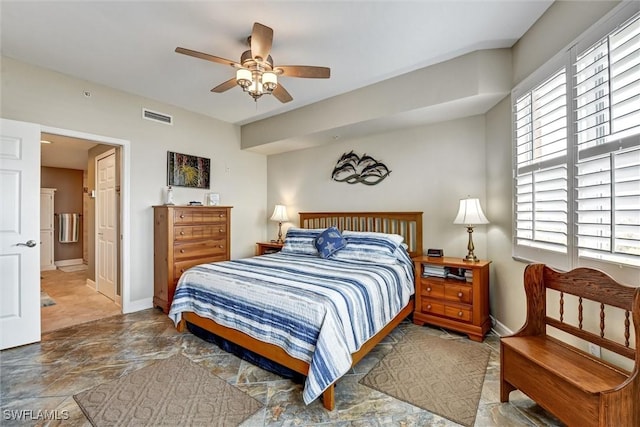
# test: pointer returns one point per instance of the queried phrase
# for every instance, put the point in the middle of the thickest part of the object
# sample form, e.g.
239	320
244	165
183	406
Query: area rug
442	376
46	300
73	268
170	392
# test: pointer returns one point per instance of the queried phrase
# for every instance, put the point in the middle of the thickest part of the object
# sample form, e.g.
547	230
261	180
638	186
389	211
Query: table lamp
280	215
470	214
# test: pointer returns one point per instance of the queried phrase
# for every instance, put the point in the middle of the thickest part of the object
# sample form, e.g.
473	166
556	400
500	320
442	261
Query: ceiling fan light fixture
243	78
269	81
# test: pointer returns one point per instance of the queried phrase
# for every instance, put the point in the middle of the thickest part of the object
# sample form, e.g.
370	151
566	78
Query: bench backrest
587	285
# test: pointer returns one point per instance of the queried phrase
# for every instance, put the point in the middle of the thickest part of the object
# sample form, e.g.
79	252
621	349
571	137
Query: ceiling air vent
157	117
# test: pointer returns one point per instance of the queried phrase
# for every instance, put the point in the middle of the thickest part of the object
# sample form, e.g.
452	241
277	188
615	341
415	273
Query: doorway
100	280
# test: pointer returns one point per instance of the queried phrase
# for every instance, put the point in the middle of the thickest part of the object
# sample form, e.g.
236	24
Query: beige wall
68	199
432	167
41	96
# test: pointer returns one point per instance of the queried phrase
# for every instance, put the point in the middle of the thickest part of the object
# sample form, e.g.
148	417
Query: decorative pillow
329	242
370	247
301	241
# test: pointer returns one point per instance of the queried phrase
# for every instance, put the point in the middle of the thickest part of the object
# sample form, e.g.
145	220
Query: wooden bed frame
407	224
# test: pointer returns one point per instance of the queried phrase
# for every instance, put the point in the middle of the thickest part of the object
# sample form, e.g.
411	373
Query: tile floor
44	377
75	301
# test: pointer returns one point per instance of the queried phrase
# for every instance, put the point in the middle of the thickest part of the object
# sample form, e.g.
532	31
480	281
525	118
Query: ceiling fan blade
223	87
261	40
281	94
304	71
207	57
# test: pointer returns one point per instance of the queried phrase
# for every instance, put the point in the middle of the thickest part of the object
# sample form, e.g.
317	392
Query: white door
19	233
106	218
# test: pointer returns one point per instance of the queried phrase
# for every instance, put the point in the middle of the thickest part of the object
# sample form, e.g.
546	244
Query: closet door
46	229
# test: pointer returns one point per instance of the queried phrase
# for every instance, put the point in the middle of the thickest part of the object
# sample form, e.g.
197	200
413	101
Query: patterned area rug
171	392
46	300
441	376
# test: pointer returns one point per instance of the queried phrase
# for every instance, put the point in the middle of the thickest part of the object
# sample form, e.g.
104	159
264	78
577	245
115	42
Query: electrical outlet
594	350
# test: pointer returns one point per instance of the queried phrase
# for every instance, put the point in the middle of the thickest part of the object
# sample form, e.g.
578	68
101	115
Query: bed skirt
247	355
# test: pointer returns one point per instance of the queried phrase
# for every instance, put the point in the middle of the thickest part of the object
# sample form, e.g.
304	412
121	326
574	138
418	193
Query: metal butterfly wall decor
354	169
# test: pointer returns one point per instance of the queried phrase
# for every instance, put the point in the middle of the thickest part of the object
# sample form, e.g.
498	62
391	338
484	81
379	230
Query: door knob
30	243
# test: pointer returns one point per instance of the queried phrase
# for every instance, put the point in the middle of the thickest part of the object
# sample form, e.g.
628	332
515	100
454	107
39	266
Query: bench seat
589	374
577	387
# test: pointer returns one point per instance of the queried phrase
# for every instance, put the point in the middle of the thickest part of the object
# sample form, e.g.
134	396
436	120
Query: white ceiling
129	45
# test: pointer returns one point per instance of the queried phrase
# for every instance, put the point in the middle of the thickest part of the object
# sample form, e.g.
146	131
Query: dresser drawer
199	249
191	232
195	216
439	308
180	267
432	307
460	293
433	289
458	313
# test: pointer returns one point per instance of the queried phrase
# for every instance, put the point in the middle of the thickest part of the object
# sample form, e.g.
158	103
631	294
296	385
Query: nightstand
263	248
453	294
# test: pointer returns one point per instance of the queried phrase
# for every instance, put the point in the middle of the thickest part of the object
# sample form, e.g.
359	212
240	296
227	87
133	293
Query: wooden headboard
406	224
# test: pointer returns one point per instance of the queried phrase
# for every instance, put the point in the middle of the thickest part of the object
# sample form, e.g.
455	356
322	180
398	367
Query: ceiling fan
255	73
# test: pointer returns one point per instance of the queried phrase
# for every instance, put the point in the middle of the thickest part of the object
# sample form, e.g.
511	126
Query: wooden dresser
453	294
185	236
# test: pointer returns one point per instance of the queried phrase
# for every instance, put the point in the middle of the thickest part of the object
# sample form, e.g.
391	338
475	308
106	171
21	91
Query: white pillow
370	247
301	241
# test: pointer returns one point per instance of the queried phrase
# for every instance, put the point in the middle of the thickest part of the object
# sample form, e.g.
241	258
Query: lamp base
471	257
279	233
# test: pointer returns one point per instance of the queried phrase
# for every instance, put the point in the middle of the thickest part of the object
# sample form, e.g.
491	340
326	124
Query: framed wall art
184	170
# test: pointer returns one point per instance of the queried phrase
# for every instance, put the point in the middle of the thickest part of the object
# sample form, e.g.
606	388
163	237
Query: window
576	126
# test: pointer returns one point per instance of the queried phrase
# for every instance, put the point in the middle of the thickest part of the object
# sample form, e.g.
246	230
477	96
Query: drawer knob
221	246
181	251
429	289
182	270
182	233
460	314
221	230
181	216
428	306
459	294
221	215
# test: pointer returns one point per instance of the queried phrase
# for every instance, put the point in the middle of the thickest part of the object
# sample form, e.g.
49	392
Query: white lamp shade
269	77
470	213
243	74
280	214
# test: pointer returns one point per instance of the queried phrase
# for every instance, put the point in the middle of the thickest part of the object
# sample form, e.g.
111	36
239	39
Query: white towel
69	225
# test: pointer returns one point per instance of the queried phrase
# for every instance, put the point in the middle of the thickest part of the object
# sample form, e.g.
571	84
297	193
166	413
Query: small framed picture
213	199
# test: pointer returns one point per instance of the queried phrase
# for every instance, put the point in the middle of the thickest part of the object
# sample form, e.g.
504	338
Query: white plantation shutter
607	99
577	152
541	168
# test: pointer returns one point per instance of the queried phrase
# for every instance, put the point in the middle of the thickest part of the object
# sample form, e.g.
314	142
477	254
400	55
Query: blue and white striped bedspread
317	310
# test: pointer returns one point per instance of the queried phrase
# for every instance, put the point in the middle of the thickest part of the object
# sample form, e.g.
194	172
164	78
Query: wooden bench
578	388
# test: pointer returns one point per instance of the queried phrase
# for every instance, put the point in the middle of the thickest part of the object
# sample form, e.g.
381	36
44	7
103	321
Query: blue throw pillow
329	242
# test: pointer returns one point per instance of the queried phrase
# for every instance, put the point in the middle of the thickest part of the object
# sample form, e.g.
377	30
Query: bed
354	302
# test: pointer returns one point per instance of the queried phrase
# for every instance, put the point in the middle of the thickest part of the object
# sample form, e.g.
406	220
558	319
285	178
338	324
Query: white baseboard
48	268
92	284
499	328
138	305
67	262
